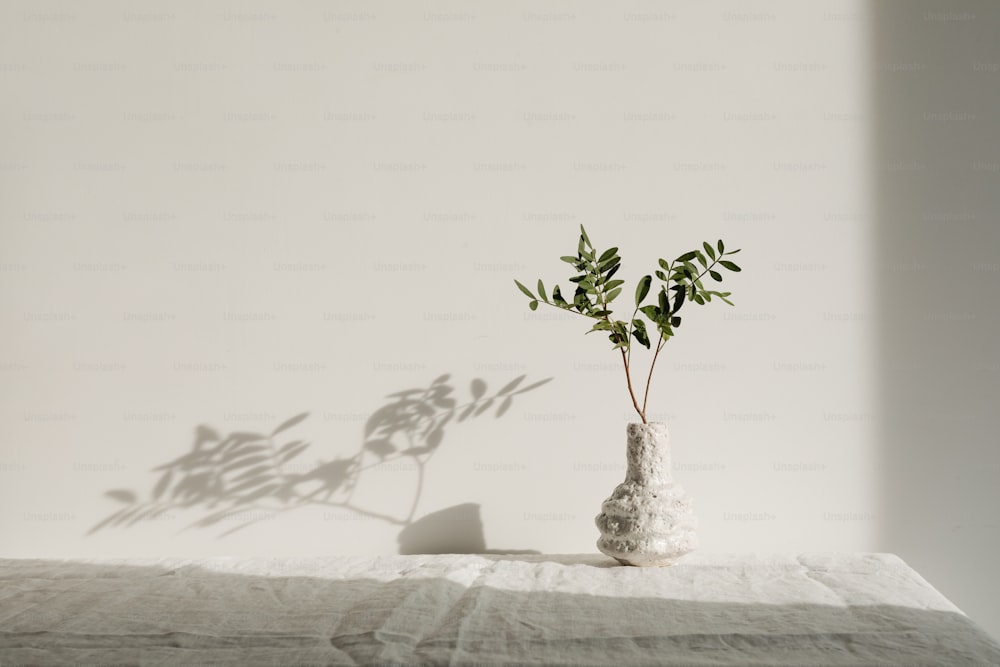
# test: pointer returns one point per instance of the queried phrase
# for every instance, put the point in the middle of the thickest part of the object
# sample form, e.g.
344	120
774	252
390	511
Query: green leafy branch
680	282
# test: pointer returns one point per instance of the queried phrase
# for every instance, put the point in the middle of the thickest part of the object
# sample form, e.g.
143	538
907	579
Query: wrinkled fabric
844	609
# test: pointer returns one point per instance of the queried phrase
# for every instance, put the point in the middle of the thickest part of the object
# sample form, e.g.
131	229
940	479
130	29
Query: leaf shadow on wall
243	478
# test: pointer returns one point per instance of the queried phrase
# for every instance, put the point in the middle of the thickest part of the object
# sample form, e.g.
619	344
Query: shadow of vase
453	530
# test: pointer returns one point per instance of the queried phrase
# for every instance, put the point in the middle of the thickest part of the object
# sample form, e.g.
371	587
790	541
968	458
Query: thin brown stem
629	337
602	298
649	378
707	269
628	379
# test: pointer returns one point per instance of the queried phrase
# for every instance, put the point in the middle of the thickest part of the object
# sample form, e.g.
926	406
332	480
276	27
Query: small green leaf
699	299
727	300
678	298
701	258
607	254
608	263
675	321
687	257
613	271
541	291
524	289
730	265
558	297
733	252
613	294
639	331
569	259
652	312
721	246
583	235
661	275
611	284
716	275
533	305
708	249
664	264
642	289
664	302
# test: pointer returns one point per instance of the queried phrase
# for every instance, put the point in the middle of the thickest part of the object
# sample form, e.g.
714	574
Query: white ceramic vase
648	520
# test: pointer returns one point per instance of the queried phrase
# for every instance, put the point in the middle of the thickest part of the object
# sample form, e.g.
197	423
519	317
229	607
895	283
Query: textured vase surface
648	520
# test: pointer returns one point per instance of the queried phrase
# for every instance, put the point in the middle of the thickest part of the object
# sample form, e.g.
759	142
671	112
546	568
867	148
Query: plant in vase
648	519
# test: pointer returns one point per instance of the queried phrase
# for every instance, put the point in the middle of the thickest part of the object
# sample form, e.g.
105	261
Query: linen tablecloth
840	609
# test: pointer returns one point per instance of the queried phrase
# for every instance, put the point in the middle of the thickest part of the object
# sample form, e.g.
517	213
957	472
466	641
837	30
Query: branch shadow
243	477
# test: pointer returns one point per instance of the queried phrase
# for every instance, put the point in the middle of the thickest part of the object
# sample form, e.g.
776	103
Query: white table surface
832	609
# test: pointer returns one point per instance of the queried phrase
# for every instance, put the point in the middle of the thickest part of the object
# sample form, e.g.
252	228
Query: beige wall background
217	217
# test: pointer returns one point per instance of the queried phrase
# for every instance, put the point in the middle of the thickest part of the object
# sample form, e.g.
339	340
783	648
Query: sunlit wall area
936	159
258	260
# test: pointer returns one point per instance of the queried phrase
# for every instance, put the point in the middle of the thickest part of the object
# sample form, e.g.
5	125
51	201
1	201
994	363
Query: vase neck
648	453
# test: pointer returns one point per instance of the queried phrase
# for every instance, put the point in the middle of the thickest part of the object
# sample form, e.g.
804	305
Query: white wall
225	215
